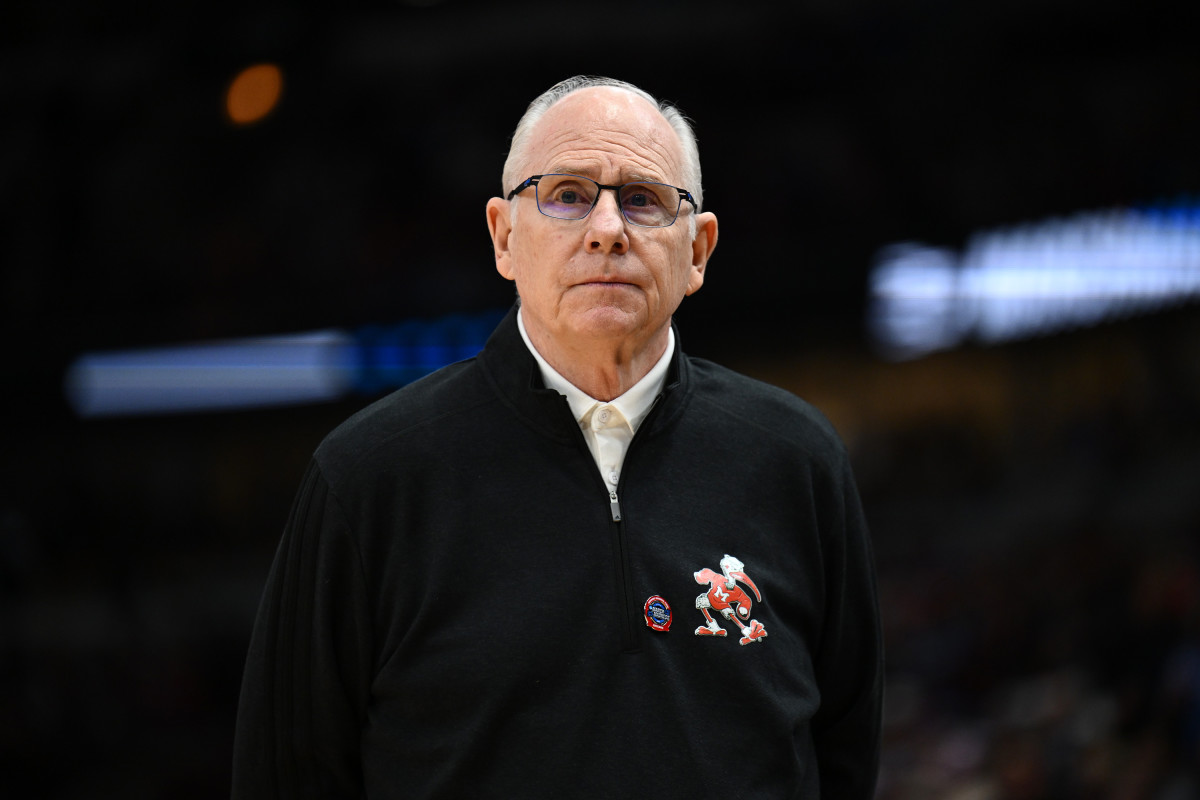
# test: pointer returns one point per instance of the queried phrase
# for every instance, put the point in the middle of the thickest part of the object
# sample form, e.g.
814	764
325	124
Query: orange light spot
253	93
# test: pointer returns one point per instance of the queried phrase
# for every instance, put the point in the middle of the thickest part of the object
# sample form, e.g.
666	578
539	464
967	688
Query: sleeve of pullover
849	663
307	674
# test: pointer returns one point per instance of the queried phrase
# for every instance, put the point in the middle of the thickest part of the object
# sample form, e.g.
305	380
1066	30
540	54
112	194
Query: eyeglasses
648	205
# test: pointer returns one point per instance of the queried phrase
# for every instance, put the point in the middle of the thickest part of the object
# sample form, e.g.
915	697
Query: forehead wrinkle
607	129
569	154
594	168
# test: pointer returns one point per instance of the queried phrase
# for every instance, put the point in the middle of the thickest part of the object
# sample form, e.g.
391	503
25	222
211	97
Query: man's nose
607	232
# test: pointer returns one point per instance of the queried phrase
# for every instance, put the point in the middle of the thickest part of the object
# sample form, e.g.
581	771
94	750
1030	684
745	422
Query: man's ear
703	245
500	226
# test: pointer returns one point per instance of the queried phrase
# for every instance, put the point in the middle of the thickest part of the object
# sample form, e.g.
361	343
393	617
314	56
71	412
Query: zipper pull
614	505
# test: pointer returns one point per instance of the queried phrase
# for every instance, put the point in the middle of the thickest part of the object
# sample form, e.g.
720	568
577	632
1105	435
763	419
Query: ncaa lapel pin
658	614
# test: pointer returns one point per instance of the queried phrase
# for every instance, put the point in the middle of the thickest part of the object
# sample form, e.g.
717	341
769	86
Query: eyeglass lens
572	197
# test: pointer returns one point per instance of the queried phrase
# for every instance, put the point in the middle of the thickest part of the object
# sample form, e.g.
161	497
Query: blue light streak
312	367
1034	279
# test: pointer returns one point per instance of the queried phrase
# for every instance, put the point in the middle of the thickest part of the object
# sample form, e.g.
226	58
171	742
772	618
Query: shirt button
613	478
604	415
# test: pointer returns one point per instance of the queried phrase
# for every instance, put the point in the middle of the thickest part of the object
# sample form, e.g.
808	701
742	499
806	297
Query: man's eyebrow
588	172
571	169
639	177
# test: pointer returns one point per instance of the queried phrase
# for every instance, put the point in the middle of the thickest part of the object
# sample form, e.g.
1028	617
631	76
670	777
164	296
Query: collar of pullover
515	375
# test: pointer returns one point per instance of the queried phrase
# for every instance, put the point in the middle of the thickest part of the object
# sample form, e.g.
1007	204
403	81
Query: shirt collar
634	404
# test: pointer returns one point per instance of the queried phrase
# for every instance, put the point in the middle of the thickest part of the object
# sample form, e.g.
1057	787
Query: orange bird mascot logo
730	600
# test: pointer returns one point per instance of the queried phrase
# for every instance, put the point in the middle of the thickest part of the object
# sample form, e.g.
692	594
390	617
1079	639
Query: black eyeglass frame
533	180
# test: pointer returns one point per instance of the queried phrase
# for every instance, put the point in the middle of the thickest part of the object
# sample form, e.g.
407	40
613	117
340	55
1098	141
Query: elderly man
580	564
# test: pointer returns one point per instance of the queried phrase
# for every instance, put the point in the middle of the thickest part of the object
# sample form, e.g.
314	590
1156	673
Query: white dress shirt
609	426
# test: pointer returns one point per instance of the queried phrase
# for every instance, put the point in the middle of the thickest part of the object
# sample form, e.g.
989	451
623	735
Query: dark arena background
969	232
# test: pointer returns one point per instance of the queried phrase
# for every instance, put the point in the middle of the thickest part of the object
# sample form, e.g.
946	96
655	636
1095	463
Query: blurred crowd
1041	595
1066	669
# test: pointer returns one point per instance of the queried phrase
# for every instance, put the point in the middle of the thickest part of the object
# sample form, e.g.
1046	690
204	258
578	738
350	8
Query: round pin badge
658	614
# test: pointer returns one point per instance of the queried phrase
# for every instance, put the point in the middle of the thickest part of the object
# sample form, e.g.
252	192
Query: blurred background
967	232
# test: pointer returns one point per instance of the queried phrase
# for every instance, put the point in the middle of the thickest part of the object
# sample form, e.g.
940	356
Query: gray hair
542	103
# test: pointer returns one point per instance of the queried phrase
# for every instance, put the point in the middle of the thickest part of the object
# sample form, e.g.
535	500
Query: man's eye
641	199
570	193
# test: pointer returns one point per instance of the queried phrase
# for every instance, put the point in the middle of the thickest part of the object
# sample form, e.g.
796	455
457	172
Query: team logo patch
658	614
730	600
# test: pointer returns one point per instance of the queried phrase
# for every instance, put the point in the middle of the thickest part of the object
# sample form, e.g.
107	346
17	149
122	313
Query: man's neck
602	369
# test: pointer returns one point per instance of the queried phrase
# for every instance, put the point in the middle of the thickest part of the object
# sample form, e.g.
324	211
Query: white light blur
278	370
1033	279
914	291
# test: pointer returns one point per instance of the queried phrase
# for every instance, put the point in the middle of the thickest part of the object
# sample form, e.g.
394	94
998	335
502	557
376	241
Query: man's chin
605	322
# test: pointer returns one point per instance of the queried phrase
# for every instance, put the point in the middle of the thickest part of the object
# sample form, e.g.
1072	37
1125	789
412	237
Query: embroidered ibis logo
730	600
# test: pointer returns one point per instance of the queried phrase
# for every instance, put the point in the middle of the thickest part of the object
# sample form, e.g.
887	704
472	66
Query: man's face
599	279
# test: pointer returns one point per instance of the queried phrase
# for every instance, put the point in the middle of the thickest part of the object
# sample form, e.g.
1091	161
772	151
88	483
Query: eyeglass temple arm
525	184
